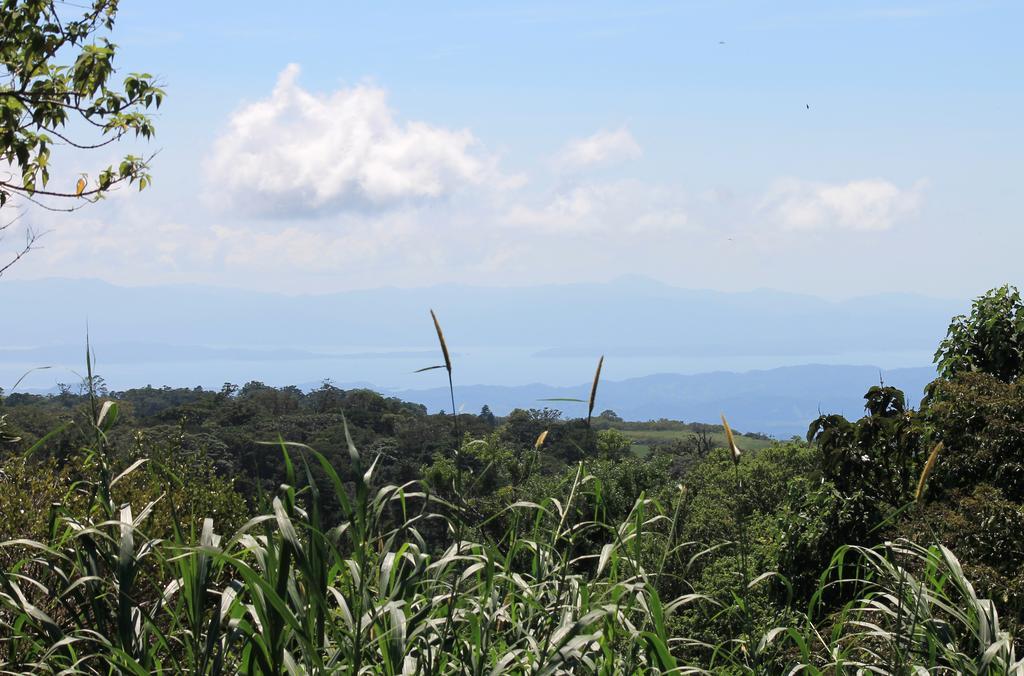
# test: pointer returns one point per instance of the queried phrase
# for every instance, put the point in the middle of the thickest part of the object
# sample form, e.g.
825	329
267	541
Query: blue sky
324	146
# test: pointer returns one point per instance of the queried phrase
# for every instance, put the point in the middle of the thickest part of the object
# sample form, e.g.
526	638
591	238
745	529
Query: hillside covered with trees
260	529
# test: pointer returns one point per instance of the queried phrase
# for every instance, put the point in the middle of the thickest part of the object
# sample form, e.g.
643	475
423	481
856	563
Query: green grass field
644	439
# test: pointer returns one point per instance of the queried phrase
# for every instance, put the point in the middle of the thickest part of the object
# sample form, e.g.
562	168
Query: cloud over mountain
626	205
300	153
866	204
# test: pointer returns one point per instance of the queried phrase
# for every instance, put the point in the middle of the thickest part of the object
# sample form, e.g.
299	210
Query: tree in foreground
58	89
989	340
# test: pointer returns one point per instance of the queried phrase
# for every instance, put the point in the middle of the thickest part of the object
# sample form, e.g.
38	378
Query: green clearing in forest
644	439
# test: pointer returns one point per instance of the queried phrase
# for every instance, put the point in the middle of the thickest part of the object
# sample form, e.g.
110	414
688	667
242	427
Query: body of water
396	369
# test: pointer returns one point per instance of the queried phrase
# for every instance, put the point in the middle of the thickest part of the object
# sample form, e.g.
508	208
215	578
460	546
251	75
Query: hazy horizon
510	346
637	278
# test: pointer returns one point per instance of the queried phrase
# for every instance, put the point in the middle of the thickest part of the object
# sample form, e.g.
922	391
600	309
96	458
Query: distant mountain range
711	351
780	402
630	315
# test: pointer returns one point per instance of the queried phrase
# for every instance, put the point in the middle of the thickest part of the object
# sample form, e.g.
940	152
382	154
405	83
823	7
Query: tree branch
74	144
31	237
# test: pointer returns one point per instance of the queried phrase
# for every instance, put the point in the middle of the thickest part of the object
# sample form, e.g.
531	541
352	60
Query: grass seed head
928	467
593	388
733	448
444	345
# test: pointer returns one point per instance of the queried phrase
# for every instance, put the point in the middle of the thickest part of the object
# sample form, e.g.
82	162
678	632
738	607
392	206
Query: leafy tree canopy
990	340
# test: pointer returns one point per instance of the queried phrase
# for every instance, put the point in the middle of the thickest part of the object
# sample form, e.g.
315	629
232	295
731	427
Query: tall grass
915	611
289	593
557	592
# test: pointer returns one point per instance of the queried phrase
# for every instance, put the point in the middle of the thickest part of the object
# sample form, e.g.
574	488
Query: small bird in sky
808	106
721	42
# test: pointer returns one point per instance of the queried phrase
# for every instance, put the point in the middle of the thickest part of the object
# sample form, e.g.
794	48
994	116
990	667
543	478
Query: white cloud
630	206
604	147
144	244
867	204
129	245
299	153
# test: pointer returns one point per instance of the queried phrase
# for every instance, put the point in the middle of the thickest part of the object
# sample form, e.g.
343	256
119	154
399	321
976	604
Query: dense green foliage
989	340
199	531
